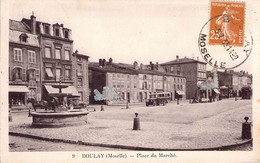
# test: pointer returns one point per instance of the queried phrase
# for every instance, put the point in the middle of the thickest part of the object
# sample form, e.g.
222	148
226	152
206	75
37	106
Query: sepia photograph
133	80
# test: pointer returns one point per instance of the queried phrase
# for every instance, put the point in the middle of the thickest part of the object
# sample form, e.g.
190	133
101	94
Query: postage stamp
230	21
224	42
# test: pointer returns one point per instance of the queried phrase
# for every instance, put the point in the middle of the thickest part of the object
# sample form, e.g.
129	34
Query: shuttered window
18	54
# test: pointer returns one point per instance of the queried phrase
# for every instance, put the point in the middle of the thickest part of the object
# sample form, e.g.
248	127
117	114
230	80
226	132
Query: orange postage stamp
228	23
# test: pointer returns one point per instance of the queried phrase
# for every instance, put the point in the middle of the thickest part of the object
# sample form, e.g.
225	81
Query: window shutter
23	74
37	75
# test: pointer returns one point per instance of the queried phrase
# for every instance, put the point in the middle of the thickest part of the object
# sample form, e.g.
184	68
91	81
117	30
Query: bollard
94	109
236	98
246	129
177	101
10	118
136	122
102	108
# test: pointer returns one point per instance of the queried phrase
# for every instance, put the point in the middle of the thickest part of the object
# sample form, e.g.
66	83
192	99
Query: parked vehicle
158	98
246	93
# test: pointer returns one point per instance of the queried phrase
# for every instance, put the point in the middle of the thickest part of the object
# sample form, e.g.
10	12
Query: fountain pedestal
59	119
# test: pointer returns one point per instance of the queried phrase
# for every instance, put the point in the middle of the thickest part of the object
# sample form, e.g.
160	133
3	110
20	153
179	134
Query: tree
107	94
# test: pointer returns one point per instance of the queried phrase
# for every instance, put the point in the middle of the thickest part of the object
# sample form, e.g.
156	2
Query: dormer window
57	32
47	29
23	37
66	33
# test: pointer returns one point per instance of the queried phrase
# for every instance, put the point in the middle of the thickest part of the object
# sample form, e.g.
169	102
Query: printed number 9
214	34
73	155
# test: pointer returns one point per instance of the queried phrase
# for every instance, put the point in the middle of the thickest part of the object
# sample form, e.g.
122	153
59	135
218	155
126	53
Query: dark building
193	70
24	65
231	82
80	64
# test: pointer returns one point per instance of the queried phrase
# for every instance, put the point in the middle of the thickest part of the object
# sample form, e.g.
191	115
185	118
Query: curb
125	146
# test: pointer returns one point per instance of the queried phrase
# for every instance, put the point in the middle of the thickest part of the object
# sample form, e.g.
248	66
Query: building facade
135	83
233	81
41	60
107	74
24	65
56	57
80	64
193	70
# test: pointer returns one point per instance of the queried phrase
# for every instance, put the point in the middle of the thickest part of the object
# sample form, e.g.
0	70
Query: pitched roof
146	70
110	68
233	73
16	29
182	61
18	26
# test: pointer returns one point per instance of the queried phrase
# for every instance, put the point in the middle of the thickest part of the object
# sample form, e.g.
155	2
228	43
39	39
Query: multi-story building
80	64
56	56
107	74
41	59
153	78
193	70
24	64
175	84
233	81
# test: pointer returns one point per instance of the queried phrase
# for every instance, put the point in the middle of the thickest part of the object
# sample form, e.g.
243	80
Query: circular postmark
220	46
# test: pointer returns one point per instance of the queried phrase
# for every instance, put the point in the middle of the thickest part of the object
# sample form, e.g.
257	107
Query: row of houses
41	56
134	83
232	82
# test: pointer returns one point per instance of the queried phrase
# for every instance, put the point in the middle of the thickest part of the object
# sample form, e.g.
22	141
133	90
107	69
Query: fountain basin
59	119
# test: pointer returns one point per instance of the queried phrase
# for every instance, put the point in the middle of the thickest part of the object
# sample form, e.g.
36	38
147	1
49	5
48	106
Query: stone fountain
60	116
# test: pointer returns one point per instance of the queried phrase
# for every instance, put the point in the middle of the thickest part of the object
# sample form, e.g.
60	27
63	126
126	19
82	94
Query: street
17	144
184	126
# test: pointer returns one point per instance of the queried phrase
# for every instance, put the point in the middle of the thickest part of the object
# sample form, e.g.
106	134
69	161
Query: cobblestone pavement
185	126
17	144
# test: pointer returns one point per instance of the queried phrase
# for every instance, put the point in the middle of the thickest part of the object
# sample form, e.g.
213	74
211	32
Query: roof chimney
110	61
100	62
104	63
135	65
141	66
151	64
33	24
177	58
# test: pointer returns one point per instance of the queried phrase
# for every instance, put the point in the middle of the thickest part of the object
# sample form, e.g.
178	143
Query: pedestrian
29	104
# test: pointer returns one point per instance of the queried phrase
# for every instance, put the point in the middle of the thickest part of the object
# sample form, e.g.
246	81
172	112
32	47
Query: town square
95	80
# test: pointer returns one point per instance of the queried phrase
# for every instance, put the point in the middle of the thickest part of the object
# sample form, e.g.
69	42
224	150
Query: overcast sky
141	31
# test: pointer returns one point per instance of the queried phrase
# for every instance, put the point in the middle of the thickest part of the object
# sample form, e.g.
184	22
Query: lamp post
60	98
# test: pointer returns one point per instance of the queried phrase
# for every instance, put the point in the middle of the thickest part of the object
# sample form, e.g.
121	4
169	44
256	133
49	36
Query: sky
127	31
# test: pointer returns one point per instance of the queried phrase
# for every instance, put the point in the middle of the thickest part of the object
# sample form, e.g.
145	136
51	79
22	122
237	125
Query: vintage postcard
133	81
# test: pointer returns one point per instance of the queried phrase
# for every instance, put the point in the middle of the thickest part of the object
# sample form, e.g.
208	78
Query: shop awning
70	90
18	88
180	92
216	91
49	72
51	90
